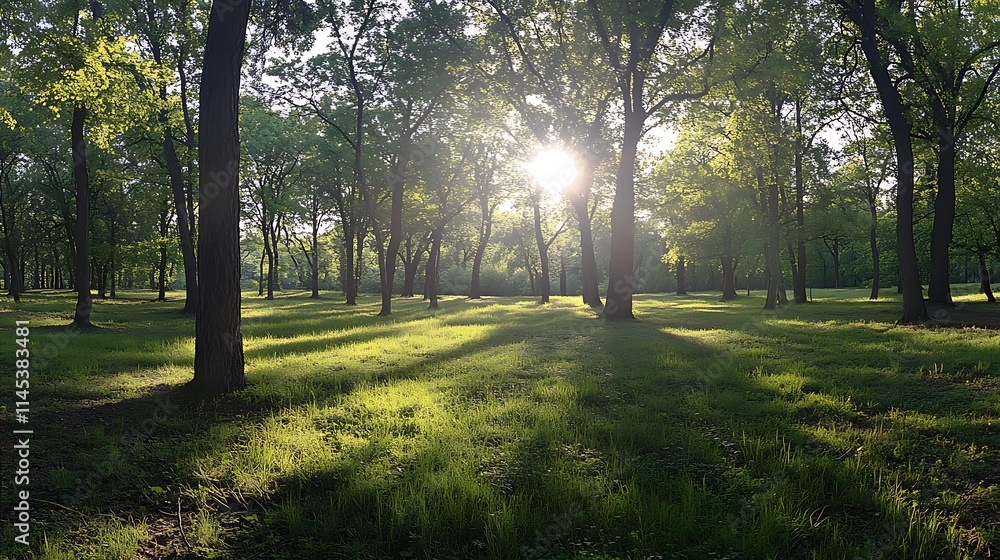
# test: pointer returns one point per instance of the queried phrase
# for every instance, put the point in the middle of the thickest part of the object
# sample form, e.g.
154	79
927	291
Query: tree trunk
273	276
588	261
873	241
100	278
113	273
681	277
161	268
11	273
939	287
485	229
314	269
799	270
432	267
395	224
621	280
269	251
410	275
260	271
773	246
562	275
359	261
162	278
81	228
984	279
865	16
529	269
218	356
728	265
835	251
543	252
183	226
347	278
179	192
428	269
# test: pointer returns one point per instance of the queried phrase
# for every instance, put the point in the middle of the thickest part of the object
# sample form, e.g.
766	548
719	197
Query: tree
939	46
81	60
218	358
868	167
450	194
631	35
707	213
484	173
869	19
314	204
274	149
12	202
978	190
543	240
419	80
545	64
168	38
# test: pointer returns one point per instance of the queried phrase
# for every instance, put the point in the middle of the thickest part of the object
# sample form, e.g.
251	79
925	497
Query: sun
553	169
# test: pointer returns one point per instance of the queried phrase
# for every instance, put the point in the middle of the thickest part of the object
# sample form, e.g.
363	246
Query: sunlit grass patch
506	429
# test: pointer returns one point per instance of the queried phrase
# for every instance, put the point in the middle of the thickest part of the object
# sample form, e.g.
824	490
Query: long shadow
111	453
655	411
546	512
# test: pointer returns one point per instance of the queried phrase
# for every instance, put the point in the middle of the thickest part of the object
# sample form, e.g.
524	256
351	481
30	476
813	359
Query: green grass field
506	429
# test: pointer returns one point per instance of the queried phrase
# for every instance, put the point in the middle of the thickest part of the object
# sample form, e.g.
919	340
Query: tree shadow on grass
563	481
597	438
122	448
670	475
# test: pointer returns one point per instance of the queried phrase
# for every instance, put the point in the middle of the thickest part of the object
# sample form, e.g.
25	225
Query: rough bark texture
218	355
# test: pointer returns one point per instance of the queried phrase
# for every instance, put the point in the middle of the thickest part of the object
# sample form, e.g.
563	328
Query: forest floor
505	429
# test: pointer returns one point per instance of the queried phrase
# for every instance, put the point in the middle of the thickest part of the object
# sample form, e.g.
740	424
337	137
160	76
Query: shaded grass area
505	429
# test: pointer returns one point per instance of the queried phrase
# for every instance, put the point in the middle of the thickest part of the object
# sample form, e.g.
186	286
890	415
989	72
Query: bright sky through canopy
553	169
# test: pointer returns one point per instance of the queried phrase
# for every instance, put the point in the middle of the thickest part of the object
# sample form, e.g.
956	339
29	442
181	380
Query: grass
505	429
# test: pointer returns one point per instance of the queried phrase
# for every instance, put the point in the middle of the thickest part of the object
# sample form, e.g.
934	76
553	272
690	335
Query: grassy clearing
504	429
